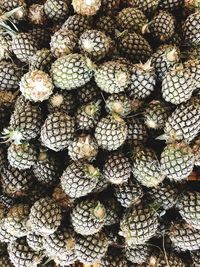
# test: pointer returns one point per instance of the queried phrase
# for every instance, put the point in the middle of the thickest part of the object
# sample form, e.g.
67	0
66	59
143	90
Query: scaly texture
9	76
88	217
139	224
71	71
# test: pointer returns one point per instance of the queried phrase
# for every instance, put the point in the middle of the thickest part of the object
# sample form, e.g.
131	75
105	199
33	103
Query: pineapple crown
13	135
92	171
86	145
98	212
115	117
92	108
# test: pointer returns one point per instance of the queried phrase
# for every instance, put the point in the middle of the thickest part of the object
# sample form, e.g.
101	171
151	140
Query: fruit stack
100	133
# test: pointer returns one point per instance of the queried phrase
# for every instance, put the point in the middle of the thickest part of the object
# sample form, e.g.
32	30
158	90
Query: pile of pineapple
100	133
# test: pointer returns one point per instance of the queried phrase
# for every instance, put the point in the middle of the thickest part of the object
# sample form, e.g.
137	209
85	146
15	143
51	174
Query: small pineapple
177	161
44	217
87	116
184	123
56	10
156	114
129	193
111	132
34	241
46	170
162	26
138	254
88	217
163	259
83	147
60	245
5	45
91	249
131	19
191	29
77	24
36	86
165	57
143	80
63	101
79	179
134	46
112	77
71	71
86	7
184	236
16	183
117	168
41	60
10	76
16	220
57	131
146	167
138	224
178	85
188	205
21	254
90	92
137	131
94	44
106	24
147	6
22	156
63	42
171	5
25	123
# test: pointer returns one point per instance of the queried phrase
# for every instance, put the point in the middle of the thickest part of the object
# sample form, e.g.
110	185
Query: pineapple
71	71
87	116
165	57
138	224
22	156
194	68
60	245
16	183
112	77
171	5
117	168
21	254
184	123
134	46
92	248
10	76
184	236
177	161
165	195
47	169
16	220
137	132
83	147
88	93
129	193
34	241
86	7
162	26
63	42
94	44
120	104
36	85
5	45
166	258
44	217
143	80
156	114
146	167
79	179
106	24
178	85
77	24
131	19
191	30
147	6
195	255
42	36
56	10
25	124
111	132
5	261
57	131
138	254
63	101
188	205
5	237
41	60
88	217
114	258
196	151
